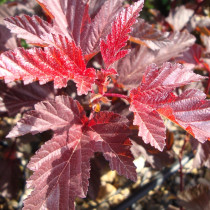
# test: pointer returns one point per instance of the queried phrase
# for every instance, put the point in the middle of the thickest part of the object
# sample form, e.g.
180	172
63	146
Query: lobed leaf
179	43
191	111
110	131
99	27
151	127
62	165
132	67
49	64
47	115
121	27
154	92
61	171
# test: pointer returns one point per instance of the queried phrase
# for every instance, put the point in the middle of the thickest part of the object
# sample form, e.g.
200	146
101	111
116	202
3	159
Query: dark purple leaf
146	34
19	97
196	198
154	157
61	167
10	178
202	155
132	67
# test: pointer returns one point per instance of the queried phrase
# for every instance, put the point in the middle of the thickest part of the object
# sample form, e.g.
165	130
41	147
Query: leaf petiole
117	95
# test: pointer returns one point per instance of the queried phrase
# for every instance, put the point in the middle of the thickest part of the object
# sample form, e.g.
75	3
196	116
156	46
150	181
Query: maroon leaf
151	127
99	27
10	176
191	56
49	64
178	42
94	181
48	116
121	27
144	33
67	15
154	157
196	197
61	167
109	131
95	6
8	40
61	170
202	156
63	162
33	29
155	91
132	67
19	97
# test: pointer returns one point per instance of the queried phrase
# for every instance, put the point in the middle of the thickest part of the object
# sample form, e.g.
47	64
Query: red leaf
99	27
151	127
111	48
61	170
191	111
52	63
155	91
61	167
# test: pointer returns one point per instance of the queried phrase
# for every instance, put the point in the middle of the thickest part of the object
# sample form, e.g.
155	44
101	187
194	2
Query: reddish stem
117	95
180	163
